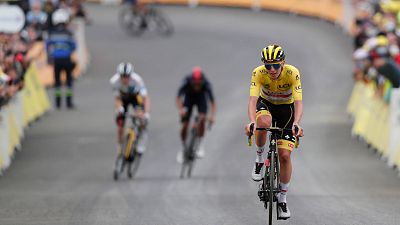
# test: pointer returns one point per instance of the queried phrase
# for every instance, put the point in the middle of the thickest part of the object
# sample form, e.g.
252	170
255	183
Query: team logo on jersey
289	72
297	77
267	86
253	84
283	86
298	88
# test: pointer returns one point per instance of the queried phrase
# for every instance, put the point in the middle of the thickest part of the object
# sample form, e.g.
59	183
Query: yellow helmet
272	54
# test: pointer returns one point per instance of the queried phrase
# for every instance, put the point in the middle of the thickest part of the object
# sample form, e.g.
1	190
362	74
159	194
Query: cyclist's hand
120	116
182	112
140	114
299	132
120	110
249	129
211	120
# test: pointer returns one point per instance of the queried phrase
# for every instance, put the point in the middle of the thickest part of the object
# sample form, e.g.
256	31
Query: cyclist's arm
146	103
252	108
298	111
118	102
298	96
212	99
181	92
254	94
115	90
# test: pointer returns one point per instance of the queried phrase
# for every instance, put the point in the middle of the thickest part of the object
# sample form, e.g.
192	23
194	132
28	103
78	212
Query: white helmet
124	69
60	16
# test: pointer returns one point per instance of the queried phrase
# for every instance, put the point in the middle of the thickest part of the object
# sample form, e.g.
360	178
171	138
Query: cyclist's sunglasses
276	66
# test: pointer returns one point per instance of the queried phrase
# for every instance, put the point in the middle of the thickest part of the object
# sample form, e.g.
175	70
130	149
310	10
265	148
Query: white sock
284	189
200	142
260	151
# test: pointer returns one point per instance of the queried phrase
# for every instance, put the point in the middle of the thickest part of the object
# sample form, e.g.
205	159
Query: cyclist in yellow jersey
276	99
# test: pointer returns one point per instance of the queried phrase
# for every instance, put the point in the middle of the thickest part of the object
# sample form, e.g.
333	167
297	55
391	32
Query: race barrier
376	121
28	105
32	101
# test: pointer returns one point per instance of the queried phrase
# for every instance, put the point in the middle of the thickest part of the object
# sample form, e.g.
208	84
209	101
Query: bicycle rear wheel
119	166
164	25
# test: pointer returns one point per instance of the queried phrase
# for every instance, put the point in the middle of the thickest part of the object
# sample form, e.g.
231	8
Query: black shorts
131	99
283	117
199	101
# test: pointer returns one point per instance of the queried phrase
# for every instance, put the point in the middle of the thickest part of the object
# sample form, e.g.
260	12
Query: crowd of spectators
14	47
376	44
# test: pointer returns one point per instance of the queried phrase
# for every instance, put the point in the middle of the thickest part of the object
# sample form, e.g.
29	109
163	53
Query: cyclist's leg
263	120
201	104
285	117
285	146
188	105
201	123
142	135
120	126
142	141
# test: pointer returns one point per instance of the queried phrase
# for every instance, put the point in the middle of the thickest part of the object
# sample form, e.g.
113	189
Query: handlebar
271	129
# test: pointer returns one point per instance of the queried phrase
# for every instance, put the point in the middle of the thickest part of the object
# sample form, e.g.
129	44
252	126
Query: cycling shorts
199	101
131	99
283	117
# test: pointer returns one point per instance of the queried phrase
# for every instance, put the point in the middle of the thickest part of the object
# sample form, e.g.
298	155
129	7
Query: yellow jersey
284	90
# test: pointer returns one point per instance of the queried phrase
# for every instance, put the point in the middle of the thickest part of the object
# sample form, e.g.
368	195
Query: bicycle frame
128	154
189	154
271	180
131	134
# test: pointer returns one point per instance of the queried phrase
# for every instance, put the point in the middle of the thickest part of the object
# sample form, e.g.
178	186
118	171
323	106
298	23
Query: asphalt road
64	173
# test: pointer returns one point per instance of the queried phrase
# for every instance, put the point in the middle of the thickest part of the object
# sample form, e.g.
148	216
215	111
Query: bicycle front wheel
131	21
271	188
135	164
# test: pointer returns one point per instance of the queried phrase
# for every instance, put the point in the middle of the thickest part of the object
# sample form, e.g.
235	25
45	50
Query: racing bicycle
189	153
129	158
137	19
269	188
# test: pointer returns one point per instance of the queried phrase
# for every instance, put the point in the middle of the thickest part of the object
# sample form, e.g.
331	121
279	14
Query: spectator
36	16
60	46
376	38
386	66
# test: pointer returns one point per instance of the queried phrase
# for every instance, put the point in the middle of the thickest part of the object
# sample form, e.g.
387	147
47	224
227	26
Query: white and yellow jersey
284	90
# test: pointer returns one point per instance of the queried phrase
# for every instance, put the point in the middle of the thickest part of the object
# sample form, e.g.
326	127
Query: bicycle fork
265	186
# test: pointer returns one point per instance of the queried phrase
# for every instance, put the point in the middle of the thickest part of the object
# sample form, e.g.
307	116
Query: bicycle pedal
262	195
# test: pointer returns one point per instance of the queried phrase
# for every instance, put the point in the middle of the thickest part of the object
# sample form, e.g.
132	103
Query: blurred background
57	162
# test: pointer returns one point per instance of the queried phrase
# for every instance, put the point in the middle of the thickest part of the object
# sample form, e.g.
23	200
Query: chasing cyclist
129	89
195	89
276	97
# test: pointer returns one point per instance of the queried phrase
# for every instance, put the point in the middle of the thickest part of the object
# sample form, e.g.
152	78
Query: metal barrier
29	104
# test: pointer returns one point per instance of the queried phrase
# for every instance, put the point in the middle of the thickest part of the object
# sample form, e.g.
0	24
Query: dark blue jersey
60	43
187	89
